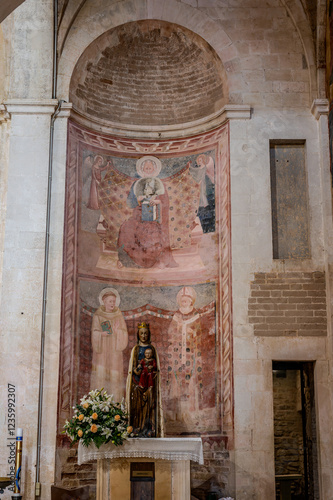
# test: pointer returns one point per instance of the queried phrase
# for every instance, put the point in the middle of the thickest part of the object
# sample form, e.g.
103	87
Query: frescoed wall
144	232
182	323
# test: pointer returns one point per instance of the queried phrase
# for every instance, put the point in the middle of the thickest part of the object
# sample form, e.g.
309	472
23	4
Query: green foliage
98	419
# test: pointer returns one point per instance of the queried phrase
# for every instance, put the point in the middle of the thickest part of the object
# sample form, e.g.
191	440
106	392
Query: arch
96	18
184	76
67	18
321	47
7	7
2	65
299	18
247	83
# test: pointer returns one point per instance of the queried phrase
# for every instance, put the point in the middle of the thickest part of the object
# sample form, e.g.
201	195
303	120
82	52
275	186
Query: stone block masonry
289	304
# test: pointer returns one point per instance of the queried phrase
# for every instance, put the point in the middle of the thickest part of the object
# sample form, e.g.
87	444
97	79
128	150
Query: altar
162	462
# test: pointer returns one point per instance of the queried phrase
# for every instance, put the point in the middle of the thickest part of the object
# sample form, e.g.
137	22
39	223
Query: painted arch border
67	367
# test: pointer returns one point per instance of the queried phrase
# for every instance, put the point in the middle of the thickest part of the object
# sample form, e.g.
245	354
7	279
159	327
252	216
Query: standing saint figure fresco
204	174
109	338
144	236
96	177
143	388
184	358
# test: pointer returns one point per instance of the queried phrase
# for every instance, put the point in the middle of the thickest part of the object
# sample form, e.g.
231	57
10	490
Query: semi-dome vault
148	73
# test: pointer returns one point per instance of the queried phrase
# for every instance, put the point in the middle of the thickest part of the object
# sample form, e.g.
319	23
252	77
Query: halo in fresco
154	161
109	290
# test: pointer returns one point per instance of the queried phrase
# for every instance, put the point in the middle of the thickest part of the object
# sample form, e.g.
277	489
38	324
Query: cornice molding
228	112
31	106
320	107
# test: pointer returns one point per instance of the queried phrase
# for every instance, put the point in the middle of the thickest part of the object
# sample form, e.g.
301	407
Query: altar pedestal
171	457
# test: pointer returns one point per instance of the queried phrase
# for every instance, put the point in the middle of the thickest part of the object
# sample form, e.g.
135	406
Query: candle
18	463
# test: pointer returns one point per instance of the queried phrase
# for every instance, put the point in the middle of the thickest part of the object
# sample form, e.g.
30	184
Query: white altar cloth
156	448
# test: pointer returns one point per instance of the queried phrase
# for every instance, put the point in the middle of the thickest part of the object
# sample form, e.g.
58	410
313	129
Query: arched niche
148	74
106	235
95	19
241	53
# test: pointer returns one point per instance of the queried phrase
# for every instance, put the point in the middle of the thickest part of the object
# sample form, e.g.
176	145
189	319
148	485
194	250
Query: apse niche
148	73
148	221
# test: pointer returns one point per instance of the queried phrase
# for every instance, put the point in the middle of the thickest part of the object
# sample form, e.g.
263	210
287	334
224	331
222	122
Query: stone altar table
171	457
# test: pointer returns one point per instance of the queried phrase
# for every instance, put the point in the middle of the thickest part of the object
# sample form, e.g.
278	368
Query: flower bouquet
99	420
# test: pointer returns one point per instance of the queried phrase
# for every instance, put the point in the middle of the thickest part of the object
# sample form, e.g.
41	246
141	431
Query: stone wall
289	304
269	56
268	61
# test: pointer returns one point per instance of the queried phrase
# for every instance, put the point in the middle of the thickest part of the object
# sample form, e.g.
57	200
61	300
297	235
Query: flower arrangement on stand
99	420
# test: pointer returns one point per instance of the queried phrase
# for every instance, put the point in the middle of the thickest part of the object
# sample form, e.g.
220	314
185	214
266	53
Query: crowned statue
143	389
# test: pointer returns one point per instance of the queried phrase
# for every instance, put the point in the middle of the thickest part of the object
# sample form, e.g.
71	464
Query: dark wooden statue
143	390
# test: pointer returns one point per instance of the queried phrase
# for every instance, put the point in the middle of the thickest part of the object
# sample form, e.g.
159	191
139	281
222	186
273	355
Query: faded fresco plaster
150	221
118	237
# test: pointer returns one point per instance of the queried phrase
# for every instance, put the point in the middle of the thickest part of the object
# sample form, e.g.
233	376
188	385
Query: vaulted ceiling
7	7
148	72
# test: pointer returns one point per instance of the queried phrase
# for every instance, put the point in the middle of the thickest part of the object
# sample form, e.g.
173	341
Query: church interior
166	235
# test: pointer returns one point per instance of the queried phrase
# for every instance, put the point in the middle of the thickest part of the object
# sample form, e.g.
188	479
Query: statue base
171	458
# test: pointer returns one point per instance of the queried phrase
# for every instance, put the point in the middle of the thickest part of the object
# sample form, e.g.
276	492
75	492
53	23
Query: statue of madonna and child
143	388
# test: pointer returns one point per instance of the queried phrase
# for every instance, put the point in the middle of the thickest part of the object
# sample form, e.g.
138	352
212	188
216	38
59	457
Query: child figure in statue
147	370
143	389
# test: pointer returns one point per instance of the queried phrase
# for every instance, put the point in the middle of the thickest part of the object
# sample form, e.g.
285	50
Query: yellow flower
117	417
80	433
129	429
85	405
81	417
93	428
94	416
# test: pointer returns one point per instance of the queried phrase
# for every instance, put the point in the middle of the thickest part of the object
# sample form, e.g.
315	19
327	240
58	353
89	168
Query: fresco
184	336
147	241
148	214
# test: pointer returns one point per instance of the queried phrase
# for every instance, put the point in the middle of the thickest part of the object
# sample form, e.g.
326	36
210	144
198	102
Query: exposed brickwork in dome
148	73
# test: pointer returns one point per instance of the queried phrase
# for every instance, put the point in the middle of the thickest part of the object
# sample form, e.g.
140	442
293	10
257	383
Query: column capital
31	106
320	107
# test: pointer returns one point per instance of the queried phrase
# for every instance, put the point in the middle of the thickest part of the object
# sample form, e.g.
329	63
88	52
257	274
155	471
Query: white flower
107	433
94	393
104	406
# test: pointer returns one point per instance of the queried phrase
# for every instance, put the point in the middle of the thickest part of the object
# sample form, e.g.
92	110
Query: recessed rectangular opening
289	196
295	442
142	475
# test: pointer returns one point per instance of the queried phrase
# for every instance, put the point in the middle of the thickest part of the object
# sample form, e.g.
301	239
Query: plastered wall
268	67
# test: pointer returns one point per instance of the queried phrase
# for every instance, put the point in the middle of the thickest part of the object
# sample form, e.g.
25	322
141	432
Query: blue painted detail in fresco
207	214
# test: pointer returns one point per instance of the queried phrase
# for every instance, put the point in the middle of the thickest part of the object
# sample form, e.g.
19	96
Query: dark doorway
295	445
